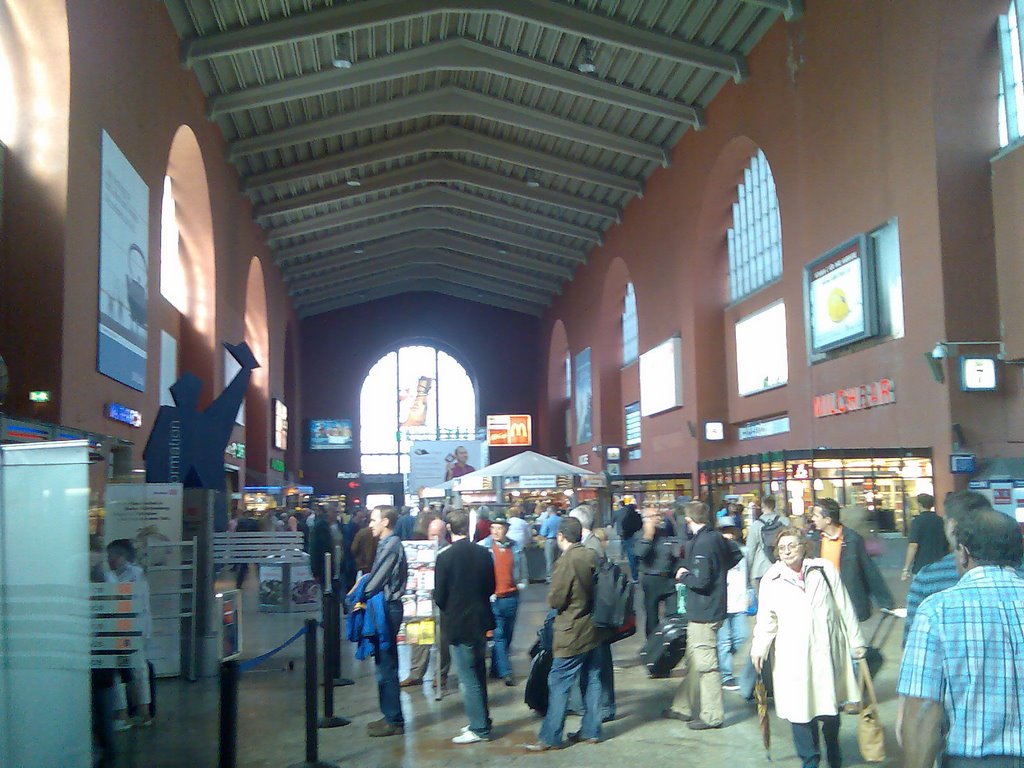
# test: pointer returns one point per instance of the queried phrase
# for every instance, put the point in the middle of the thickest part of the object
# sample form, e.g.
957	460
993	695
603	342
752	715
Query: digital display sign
762	360
330	434
661	377
840	293
280	425
123	414
509	430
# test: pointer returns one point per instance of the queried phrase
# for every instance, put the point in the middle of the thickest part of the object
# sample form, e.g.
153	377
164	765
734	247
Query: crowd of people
800	587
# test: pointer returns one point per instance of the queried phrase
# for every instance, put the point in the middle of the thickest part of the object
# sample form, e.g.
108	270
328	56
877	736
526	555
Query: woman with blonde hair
806	613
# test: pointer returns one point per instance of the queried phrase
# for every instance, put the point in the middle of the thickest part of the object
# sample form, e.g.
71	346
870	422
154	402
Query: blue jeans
470	663
386	668
731	637
607	686
505	610
585	667
628	542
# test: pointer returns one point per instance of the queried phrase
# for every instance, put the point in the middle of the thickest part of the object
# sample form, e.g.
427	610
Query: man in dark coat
464	583
844	548
576	644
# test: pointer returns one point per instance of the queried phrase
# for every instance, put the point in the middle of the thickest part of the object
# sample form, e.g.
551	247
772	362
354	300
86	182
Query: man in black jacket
658	553
858	571
464	583
709	557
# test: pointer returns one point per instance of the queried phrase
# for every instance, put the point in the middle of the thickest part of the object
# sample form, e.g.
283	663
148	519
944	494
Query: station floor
271	712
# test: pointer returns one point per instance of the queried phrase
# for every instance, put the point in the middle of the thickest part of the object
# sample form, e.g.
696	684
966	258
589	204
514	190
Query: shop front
881	481
660	491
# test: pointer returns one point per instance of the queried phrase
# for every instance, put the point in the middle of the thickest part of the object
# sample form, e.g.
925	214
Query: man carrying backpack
761	538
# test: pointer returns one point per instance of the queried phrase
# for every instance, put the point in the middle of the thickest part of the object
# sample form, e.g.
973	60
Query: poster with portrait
124	269
150	517
840	296
432	462
582	397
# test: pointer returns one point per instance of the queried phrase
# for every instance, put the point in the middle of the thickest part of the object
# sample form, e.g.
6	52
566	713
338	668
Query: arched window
1011	76
414	393
755	237
630	328
172	275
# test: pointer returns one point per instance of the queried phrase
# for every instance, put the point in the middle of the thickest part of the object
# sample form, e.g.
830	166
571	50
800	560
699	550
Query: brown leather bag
870	733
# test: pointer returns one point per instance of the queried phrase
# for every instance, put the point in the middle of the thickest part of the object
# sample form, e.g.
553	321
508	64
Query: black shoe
672	714
510	680
700	725
576	738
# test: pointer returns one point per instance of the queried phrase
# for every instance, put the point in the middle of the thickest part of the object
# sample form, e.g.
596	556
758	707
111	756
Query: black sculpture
187	446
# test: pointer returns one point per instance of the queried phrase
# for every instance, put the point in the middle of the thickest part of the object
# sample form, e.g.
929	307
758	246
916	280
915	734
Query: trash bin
287	583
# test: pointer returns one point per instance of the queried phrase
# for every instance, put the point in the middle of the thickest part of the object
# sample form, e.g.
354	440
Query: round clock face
979	373
714	430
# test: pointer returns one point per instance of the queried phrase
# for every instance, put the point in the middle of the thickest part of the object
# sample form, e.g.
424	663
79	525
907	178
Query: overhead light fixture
358	250
502	251
342	58
354	182
531	179
586	63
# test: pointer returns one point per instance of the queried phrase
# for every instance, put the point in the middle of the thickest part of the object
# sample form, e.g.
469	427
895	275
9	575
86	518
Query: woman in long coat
804	610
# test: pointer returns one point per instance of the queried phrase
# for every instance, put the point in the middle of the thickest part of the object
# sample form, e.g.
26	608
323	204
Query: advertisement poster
583	397
661	377
280	425
762	358
431	462
124	270
330	434
838	305
510	430
150	516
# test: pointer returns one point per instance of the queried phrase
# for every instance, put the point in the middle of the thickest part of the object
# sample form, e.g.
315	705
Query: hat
499	518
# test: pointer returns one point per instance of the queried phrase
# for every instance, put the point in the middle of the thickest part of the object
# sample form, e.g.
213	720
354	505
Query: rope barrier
248	664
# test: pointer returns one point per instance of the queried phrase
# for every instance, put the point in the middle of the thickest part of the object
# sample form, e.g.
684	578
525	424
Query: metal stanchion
227	748
339	681
312	743
331	649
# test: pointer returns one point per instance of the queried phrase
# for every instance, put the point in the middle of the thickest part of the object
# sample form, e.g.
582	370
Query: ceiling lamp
342	52
354	183
531	179
586	64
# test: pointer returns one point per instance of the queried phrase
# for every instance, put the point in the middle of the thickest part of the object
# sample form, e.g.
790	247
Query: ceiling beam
421	286
349	17
422	273
459	55
427	220
311	273
443	138
791	10
438	170
447	100
330	281
432	196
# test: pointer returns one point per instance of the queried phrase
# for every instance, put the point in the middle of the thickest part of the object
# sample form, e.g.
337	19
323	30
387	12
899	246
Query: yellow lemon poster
838	305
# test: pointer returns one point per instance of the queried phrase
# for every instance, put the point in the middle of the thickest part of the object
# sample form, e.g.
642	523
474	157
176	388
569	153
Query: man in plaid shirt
963	669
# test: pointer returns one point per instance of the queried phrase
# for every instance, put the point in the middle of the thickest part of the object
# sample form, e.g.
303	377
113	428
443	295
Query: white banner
431	462
150	516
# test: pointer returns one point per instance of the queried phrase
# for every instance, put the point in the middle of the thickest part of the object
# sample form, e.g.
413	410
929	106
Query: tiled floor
271	724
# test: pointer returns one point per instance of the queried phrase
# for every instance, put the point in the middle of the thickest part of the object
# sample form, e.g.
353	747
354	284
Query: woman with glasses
806	613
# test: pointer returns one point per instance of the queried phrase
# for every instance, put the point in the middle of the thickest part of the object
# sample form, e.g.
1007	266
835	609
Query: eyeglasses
790	547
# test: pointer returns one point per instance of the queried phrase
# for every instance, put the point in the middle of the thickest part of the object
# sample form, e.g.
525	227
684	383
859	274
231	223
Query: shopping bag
870	733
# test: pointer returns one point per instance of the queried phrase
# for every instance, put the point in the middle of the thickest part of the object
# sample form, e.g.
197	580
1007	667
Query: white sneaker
122	725
467	737
465	729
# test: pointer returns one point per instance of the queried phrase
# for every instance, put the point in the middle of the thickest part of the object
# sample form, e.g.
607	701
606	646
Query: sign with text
510	430
881	392
755	429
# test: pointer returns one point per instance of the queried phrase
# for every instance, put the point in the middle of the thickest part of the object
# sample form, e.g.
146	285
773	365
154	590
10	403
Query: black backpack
613	597
770	537
631	522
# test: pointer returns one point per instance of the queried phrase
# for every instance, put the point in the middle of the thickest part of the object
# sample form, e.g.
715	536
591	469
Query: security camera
939	352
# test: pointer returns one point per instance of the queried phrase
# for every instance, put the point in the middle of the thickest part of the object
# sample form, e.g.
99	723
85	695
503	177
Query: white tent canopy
523	464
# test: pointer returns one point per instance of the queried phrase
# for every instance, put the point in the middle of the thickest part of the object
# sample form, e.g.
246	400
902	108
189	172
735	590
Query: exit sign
277	465
39	396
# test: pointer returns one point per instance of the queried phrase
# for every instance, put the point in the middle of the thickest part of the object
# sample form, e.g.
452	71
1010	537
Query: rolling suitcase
886	622
665	648
536	692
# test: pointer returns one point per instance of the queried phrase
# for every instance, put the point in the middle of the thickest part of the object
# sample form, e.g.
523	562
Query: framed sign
230	611
840	295
762	356
978	374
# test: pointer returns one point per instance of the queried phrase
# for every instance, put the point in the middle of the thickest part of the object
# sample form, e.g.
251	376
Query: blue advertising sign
330	435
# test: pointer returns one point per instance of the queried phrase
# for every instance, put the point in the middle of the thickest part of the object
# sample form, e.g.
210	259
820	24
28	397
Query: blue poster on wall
124	270
582	397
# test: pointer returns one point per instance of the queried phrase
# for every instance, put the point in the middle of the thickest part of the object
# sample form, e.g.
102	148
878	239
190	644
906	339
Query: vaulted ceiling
478	148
